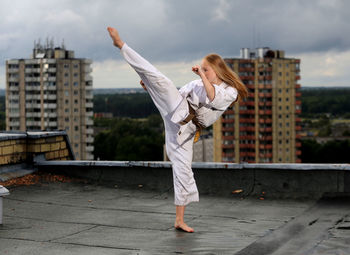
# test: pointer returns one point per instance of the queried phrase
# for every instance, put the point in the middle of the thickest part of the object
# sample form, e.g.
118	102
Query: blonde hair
226	74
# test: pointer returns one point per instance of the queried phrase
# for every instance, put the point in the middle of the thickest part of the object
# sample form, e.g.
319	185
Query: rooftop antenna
52	43
63	46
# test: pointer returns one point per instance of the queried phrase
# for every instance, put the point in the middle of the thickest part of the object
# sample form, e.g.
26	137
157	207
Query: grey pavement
77	218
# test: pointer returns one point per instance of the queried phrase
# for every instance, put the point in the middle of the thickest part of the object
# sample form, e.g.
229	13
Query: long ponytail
226	74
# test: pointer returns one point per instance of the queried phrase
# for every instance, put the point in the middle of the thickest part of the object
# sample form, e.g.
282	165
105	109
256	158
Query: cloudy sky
174	35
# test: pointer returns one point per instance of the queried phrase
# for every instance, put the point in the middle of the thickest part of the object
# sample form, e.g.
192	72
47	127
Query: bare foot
117	41
183	226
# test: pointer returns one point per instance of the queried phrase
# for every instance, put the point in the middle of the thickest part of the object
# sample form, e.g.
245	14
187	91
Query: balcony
298	111
265	95
247	137
228	129
265	146
13	79
297	128
228	137
266	138
228	120
88	77
89	131
298	94
32	79
245	120
246	146
89	105
247	154
265	155
247	112
89	148
14	114
33	114
298	152
297	77
50	106
89	140
252	129
50	115
265	112
31	97
297	86
14	123
13	70
298	144
268	103
50	97
34	124
250	103
268	130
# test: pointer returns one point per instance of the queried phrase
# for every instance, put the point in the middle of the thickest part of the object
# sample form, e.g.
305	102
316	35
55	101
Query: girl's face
209	72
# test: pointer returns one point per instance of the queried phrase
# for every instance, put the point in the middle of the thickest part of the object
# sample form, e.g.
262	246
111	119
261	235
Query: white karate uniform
173	107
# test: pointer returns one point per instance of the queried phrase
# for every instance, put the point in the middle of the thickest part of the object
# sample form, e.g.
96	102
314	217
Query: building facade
264	127
52	90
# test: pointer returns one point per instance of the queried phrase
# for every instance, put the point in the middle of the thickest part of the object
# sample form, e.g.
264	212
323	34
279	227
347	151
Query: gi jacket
207	111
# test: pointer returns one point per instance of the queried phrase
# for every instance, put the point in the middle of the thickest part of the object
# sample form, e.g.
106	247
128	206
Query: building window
66	119
76	145
67	101
76	110
66	84
76	101
66	110
66	92
287	124
287	107
75	83
287	141
75	74
66	66
76	65
76	128
75	92
280	73
66	75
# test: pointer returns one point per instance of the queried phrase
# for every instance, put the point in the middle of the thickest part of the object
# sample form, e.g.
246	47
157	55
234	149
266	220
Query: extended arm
209	88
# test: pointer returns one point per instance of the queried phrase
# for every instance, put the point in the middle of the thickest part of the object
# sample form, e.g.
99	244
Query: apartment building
52	90
263	128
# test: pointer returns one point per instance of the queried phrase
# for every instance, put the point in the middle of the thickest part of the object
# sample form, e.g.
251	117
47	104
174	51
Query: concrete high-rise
264	127
52	90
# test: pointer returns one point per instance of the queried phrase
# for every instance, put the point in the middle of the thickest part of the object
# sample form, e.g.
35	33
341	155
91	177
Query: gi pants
167	98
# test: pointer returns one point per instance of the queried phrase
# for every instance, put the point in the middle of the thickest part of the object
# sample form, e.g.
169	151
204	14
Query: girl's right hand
196	69
143	85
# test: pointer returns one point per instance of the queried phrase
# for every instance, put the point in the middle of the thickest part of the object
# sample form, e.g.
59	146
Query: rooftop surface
86	218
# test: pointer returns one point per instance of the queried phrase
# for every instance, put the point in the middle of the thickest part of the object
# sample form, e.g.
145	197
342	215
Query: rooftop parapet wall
261	180
23	147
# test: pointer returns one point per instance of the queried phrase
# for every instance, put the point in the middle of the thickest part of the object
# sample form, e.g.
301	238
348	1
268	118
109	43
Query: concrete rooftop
80	218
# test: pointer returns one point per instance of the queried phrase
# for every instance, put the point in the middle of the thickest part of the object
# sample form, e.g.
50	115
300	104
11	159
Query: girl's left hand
197	70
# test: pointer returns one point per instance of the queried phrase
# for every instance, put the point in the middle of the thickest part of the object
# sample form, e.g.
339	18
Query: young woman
196	105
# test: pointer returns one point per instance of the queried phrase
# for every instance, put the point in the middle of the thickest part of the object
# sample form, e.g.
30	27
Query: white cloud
221	12
325	69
